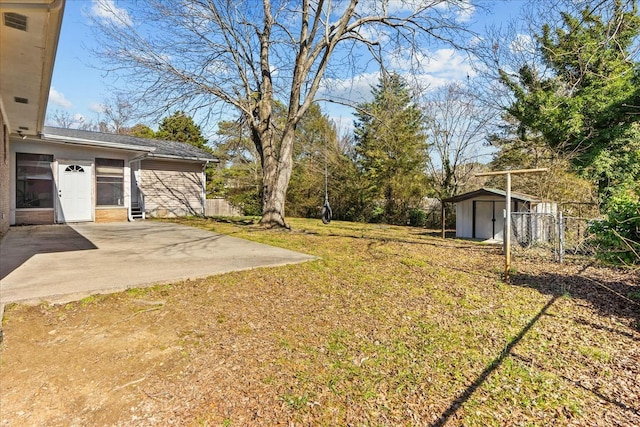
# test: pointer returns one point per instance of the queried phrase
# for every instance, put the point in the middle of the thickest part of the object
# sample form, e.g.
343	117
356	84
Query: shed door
74	191
488	219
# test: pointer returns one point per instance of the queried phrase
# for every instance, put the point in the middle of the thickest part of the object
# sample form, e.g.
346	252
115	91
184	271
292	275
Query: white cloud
58	98
476	41
79	118
106	10
350	90
440	65
426	71
96	107
522	43
466	11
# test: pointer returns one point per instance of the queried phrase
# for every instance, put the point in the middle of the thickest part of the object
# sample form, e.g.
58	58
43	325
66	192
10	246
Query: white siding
464	219
486	208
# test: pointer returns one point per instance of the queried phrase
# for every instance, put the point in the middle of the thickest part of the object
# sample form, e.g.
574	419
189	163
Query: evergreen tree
180	127
316	143
239	179
141	131
585	104
391	149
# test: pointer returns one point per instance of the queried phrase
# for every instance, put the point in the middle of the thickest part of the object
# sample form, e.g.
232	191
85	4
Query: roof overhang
98	144
29	33
489	192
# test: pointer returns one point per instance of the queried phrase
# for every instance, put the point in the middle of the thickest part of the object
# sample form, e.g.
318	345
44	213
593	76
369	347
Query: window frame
21	202
111	178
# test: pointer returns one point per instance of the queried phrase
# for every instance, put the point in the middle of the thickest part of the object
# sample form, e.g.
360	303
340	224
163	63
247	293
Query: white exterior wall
464	219
67	153
485	229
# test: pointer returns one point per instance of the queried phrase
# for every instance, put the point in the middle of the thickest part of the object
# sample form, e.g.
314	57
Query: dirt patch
391	327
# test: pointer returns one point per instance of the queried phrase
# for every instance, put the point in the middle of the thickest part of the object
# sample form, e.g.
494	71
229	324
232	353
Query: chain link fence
552	236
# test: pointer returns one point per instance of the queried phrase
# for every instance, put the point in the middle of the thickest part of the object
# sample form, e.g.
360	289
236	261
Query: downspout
204	188
129	214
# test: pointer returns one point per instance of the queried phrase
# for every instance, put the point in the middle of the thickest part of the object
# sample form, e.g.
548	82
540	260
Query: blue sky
79	87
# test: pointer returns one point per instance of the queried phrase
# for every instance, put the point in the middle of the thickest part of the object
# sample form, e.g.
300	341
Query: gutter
197	159
204	187
54	6
103	144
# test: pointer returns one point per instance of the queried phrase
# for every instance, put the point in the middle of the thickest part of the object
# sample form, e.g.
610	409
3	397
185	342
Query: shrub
417	218
618	237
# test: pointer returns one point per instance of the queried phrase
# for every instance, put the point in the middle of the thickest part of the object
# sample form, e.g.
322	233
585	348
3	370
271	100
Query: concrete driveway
61	263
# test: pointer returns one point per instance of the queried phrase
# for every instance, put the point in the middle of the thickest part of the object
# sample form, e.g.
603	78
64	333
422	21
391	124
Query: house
29	33
69	175
480	214
51	175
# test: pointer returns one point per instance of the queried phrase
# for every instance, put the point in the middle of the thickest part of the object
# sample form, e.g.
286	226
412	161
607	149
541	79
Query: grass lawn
392	326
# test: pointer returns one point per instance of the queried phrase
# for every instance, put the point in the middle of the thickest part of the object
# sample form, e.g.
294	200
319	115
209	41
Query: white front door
74	184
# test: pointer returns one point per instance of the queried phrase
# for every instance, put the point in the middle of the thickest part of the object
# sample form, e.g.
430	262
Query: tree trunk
276	173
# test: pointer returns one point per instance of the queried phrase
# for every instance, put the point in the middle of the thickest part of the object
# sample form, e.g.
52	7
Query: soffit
26	61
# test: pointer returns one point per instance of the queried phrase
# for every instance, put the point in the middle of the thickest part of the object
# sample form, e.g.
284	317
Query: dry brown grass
391	327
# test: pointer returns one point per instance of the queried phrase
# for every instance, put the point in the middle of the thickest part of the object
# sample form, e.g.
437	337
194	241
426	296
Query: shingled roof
153	147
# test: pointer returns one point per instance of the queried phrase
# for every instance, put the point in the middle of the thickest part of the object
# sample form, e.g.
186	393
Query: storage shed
480	213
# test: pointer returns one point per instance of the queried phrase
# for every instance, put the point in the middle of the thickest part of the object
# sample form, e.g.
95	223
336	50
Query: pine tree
180	127
391	149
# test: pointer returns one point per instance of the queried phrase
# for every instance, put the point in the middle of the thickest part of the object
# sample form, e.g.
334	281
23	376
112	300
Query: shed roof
153	147
490	192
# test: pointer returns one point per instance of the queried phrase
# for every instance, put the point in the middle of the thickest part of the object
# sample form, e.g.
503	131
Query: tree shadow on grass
608	297
579	384
235	220
617	296
495	364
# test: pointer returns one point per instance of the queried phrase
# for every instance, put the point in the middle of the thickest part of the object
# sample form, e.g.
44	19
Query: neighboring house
480	213
52	175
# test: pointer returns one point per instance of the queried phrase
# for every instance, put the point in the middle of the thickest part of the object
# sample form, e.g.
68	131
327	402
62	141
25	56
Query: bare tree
457	124
64	119
205	55
117	112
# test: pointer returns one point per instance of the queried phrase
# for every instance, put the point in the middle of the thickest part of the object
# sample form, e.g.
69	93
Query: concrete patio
61	263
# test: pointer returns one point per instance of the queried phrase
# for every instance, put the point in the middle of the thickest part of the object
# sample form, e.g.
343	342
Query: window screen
34	181
110	182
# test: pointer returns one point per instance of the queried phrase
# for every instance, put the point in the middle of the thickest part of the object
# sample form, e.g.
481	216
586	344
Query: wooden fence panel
220	207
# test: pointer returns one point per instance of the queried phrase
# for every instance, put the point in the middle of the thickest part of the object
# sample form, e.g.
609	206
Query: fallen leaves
390	327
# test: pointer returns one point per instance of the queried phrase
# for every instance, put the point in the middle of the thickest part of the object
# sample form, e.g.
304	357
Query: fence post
560	238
